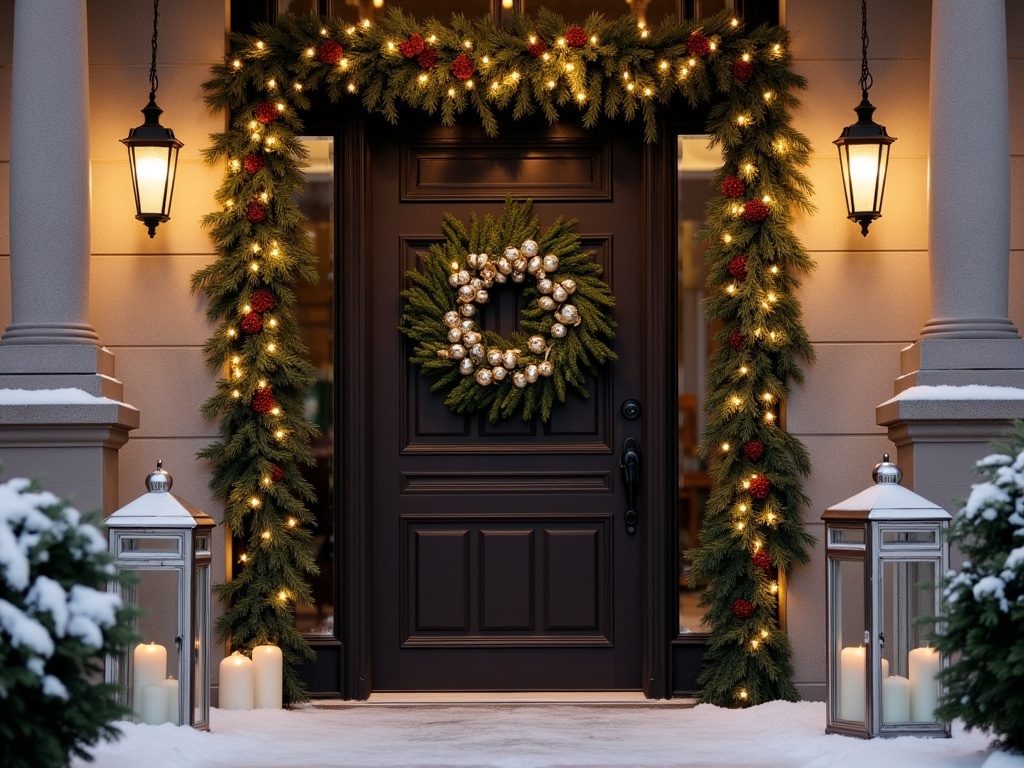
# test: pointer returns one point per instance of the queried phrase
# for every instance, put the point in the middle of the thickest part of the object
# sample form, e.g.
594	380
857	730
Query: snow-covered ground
518	736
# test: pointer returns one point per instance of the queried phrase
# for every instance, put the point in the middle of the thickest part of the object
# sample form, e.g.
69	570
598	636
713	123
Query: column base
970	328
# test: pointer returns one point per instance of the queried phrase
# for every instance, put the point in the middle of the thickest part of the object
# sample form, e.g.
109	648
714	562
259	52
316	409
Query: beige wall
866	300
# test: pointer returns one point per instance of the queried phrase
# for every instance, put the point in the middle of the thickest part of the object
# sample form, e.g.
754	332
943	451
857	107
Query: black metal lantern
864	150
153	155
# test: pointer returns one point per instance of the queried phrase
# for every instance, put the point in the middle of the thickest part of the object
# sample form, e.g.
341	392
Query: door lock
629	462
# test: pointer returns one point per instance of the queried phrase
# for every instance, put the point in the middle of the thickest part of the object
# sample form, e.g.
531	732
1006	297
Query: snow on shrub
57	623
983	629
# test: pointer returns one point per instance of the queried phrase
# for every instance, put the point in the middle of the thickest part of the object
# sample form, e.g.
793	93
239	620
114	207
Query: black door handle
630	465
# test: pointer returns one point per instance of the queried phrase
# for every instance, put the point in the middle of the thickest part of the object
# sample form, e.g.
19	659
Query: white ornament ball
550	262
537	344
467	310
520	265
467	293
471	338
498	373
534	264
466	325
512	253
546	368
483	377
454	334
463	277
504	265
569	314
529	248
545	286
451	319
466	367
453	279
509	359
477	353
531	374
570	285
482	296
457	351
559	293
494	357
558	331
547	303
519	379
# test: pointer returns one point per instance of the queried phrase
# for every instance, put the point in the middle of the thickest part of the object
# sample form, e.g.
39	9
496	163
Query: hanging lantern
165	542
153	156
864	150
886	553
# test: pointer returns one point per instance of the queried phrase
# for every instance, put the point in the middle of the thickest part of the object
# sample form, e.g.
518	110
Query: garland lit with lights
596	70
566	326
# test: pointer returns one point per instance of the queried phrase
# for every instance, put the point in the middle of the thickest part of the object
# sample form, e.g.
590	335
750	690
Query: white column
49	185
969	172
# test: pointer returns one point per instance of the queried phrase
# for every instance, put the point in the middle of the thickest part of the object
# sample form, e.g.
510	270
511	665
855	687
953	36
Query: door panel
499	556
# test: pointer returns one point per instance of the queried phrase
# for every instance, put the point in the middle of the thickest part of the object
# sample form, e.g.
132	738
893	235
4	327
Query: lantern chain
865	75
155	82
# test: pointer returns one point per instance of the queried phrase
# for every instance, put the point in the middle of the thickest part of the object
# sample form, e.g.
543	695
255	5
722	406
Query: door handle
629	462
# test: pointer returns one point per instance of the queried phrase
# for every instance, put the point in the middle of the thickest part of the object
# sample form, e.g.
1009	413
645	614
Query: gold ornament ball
498	373
559	293
547	303
457	351
509	359
569	285
519	379
558	331
550	262
477	353
483	377
535	263
531	373
466	366
494	357
529	248
454	335
545	368
451	319
467	310
537	344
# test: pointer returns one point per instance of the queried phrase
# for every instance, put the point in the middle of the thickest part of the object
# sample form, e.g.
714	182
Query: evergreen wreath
475	69
566	323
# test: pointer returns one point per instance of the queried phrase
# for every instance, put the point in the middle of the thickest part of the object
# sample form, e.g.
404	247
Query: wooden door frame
356	404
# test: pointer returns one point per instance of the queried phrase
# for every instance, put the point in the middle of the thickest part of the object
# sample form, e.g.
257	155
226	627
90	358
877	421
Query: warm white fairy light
271	84
237	64
746	57
236	394
725	447
737	400
726	238
254	502
260	45
451	93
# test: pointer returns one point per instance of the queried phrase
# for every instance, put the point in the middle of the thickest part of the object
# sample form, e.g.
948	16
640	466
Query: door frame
356	406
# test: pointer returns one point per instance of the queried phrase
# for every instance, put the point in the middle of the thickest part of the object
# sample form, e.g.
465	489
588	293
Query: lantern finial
159	480
886	472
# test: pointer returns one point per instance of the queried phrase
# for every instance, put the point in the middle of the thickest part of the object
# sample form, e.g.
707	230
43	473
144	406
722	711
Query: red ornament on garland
576	37
733	187
742	71
330	52
755	211
698	45
252	322
742	609
753	450
262	300
256	212
266	112
427	58
759	487
763	560
254	163
264	402
537	49
738	267
412	47
736	340
276	474
462	67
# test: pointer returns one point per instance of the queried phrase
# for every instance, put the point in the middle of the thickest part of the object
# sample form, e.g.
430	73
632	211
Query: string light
725	447
237	64
266	535
254	502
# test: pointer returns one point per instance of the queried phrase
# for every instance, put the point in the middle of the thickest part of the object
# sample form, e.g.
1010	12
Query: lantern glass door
155	661
201	633
849	654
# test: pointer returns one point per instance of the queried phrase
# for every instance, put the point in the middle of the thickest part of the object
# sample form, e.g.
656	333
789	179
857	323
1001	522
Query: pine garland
530	66
562	339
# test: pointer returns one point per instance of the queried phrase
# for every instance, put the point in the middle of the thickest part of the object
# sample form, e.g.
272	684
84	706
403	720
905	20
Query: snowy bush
57	623
983	631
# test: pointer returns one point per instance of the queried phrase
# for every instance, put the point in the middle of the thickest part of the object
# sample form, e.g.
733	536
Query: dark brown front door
498	554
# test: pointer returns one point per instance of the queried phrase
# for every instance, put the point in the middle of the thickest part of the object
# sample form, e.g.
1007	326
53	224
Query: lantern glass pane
911	538
864	179
908	594
847	536
200	703
156	658
150	545
151	167
849	654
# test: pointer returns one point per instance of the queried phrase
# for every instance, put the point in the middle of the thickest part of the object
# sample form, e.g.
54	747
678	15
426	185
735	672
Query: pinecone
698	45
755	211
330	52
576	37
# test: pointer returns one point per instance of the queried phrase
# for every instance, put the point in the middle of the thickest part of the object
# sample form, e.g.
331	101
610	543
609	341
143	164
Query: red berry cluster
733	187
763	560
698	45
462	67
759	487
266	112
753	450
736	340
742	70
412	47
252	322
742	609
276	474
264	401
330	52
427	58
576	37
262	300
256	212
537	49
755	211
738	267
254	163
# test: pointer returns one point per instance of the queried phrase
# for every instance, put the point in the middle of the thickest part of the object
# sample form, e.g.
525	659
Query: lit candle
150	668
153	705
851	684
170	686
268	668
895	699
924	688
236	682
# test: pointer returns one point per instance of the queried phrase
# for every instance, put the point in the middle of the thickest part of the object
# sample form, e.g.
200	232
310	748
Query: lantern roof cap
887	500
159	508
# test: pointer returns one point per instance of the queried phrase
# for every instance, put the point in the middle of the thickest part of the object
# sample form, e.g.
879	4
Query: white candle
885	668
852	691
149	668
236	682
170	686
153	706
924	688
895	700
268	669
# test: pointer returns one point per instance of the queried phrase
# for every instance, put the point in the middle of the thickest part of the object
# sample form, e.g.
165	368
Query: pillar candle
170	686
885	668
268	669
236	682
153	705
852	690
149	668
895	699
924	688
